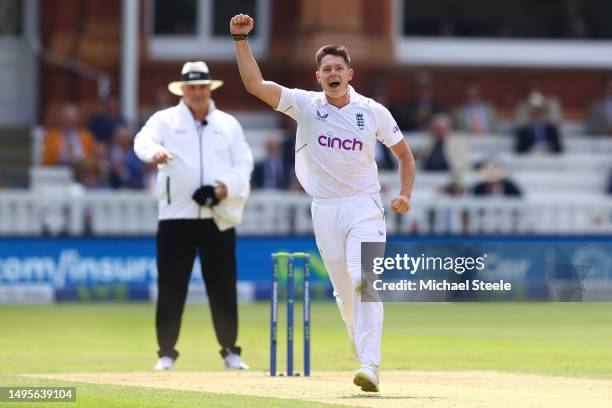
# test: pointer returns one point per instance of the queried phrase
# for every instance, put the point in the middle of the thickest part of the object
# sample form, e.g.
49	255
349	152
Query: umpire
204	167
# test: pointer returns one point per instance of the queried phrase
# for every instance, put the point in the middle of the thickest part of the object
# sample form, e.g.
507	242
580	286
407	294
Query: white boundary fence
76	212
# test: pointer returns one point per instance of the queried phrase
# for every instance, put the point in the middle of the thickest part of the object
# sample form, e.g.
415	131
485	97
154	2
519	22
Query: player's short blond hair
339	50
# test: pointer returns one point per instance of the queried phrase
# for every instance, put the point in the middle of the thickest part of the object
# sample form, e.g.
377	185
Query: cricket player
337	130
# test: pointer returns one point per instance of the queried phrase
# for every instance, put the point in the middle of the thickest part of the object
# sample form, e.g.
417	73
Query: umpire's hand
162	156
206	196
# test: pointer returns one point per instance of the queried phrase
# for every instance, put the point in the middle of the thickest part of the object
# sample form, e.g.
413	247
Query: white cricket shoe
234	362
367	378
164	363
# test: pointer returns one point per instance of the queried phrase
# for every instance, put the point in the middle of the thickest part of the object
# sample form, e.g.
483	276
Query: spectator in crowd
272	172
539	134
475	115
609	187
494	181
384	160
103	123
600	113
126	170
455	187
552	107
450	220
417	113
289	127
94	172
68	144
444	151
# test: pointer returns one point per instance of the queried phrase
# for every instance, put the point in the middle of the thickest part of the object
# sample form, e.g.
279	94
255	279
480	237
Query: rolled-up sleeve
237	180
149	140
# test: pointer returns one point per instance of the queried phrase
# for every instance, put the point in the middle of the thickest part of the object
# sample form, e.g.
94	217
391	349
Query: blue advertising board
125	268
91	269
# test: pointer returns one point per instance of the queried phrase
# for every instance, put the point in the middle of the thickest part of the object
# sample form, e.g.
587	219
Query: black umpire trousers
178	241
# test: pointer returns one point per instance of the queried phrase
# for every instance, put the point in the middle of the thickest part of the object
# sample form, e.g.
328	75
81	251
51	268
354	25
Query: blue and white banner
91	269
119	269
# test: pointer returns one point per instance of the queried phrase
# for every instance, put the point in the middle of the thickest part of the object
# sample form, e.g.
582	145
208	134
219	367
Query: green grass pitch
546	338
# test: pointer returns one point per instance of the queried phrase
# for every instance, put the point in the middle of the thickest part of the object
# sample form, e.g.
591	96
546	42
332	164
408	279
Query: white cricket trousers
340	226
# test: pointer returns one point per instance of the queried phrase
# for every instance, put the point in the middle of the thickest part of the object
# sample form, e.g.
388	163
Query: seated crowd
536	129
101	153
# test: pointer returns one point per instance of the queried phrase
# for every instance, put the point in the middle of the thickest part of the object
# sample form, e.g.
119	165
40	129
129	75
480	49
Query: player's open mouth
334	84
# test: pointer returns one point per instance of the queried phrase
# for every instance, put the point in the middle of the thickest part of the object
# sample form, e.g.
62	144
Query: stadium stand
563	194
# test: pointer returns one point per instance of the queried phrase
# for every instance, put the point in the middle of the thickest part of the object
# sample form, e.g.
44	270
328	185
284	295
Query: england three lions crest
360	121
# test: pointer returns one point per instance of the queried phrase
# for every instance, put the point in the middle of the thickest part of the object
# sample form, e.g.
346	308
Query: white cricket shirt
335	147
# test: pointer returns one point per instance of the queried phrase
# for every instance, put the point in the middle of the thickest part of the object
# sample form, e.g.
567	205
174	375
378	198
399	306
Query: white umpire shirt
202	154
335	147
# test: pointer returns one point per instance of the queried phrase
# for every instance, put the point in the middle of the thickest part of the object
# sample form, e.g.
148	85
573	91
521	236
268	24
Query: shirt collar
185	109
352	96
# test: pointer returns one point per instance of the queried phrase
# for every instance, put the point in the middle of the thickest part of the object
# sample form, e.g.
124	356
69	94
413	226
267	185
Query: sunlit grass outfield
114	396
546	338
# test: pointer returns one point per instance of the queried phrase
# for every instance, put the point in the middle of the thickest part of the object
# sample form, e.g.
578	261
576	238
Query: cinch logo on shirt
342	144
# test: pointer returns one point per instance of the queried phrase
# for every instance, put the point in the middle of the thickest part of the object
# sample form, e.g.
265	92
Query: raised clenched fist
241	24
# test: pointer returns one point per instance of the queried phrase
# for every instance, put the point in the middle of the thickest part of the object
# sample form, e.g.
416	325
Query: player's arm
403	154
267	91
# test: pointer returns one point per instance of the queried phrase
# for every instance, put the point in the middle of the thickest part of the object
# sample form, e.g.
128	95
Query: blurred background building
80	77
526	84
